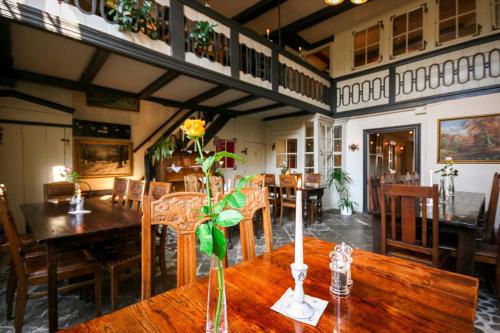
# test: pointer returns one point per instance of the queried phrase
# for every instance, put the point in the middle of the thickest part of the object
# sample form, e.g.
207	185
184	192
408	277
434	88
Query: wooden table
308	193
51	224
459	216
389	295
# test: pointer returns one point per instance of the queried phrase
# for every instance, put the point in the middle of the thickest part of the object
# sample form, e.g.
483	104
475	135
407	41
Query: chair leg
114	287
498	279
281	215
161	256
11	290
22	298
98	291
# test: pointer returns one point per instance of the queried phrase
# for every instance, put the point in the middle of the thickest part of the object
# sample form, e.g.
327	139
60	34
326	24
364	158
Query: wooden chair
58	191
257	200
257	181
406	242
192	183
119	194
374	195
32	271
159	189
311	180
135	193
270	183
488	232
181	212
288	188
216	185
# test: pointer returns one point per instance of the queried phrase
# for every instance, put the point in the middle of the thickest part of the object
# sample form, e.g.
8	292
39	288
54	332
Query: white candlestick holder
298	308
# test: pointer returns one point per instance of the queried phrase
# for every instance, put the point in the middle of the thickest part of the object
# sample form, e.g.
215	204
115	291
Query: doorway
391	151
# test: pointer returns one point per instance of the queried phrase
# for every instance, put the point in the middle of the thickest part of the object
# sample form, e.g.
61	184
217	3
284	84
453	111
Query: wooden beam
256	10
237	102
94	66
36	100
207	95
158	84
6	59
215	127
288	115
263	109
321	42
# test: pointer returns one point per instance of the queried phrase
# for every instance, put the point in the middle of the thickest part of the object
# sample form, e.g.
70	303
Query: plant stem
207	177
220	280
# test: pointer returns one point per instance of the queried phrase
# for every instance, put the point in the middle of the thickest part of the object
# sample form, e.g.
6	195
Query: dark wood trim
256	10
392	84
237	102
6	58
36	100
417	151
263	109
321	42
419	102
95	64
215	127
33	123
234	48
157	84
287	115
275	70
156	131
207	95
176	27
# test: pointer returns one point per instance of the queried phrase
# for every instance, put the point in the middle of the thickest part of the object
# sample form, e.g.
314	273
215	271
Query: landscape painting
103	158
470	139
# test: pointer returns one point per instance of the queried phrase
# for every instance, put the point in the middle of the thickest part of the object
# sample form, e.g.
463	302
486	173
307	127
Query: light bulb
333	2
358	2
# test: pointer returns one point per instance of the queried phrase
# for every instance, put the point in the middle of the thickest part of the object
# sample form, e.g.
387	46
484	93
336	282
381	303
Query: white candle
299	238
431	173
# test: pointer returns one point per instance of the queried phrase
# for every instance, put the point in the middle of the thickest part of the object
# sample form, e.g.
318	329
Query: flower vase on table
215	215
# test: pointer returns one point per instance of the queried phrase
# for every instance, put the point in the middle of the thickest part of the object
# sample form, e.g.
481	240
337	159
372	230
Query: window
286	153
496	14
309	167
457	19
337	146
408	32
367	45
229	146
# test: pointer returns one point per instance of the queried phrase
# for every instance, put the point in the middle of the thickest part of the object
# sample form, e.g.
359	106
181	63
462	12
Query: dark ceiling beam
6	59
94	66
207	95
36	100
288	115
237	102
263	109
321	42
158	84
256	10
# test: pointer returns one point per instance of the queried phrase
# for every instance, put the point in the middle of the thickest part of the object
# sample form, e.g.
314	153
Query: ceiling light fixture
338	2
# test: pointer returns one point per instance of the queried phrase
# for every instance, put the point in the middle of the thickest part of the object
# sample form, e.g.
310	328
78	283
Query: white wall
472	177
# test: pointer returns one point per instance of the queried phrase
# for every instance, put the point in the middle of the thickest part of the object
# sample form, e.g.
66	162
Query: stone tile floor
355	230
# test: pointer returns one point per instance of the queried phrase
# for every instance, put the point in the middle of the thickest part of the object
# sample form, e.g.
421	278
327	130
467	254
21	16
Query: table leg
465	255
376	241
320	207
52	285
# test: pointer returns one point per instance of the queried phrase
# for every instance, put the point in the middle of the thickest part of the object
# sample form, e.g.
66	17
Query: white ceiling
225	97
183	88
126	74
48	54
253	104
275	112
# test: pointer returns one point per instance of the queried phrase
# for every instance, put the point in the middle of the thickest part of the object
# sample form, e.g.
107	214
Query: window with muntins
367	45
408	32
286	153
229	146
457	19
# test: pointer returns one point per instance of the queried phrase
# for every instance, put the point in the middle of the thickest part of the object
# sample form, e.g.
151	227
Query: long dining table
388	295
51	224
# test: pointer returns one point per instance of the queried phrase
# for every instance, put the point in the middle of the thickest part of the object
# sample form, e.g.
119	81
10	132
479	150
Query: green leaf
205	210
220	155
242	182
219	243
205	236
236	199
207	164
219	206
230	217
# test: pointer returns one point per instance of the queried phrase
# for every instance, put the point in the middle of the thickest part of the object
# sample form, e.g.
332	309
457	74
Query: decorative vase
216	301
442	190
451	186
346	211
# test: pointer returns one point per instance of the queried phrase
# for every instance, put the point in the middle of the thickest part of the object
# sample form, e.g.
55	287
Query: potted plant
135	16
162	149
341	179
202	32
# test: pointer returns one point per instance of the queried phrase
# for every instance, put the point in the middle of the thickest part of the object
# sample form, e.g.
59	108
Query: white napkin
318	305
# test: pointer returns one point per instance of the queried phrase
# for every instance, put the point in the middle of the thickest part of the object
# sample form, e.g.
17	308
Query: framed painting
474	139
103	158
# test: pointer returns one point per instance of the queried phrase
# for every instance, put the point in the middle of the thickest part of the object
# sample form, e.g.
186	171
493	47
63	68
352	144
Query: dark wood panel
389	294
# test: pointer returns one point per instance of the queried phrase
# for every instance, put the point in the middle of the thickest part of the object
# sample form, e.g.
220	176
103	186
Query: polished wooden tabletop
389	295
462	209
51	221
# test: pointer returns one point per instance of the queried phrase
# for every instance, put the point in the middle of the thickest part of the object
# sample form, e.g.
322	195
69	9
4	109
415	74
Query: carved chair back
312	180
119	190
257	181
406	239
135	194
58	191
288	187
256	200
3	195
159	189
181	212
191	183
216	185
492	210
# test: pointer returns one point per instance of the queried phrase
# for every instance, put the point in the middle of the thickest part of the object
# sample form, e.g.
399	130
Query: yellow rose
194	128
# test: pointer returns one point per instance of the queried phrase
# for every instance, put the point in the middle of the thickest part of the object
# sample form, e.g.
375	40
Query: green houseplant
341	180
162	149
202	32
135	16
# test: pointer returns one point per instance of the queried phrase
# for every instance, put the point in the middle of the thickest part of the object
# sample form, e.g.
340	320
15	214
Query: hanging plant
162	149
135	16
202	32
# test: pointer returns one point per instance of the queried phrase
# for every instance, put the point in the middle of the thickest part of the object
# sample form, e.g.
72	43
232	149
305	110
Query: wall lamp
353	147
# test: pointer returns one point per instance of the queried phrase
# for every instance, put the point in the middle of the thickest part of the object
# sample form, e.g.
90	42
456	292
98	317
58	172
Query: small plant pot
346	211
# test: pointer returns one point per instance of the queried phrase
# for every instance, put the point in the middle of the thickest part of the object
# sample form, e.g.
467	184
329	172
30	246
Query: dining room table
388	295
51	224
459	215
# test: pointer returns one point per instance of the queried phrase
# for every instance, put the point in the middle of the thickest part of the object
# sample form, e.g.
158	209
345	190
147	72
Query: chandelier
338	2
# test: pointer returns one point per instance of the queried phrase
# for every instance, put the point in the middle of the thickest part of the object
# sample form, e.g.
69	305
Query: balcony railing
233	51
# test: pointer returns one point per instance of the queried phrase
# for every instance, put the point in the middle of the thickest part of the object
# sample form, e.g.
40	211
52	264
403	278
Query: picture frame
470	139
103	158
112	101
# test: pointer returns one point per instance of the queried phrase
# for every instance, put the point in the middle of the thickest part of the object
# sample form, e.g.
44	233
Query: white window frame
424	23
286	153
457	38
353	50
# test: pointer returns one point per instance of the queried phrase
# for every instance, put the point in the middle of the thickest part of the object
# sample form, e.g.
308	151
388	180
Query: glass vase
216	301
451	186
442	190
